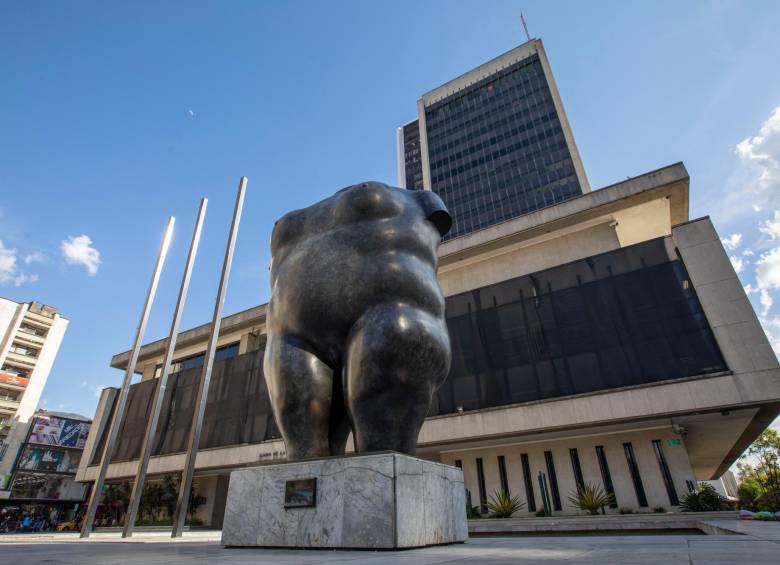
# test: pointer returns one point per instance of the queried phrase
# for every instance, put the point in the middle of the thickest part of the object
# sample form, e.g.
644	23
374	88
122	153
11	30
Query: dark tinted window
238	409
497	150
626	317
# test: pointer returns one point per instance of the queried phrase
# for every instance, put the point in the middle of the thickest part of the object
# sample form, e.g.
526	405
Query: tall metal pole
182	503
162	382
121	400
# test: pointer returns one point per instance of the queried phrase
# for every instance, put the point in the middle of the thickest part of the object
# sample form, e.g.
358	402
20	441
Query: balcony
29	337
21	360
9	405
38	319
25	350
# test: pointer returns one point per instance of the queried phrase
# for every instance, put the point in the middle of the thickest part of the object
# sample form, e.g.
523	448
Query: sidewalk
759	546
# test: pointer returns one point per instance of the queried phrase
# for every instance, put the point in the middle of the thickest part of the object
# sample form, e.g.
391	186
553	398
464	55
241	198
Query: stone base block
375	501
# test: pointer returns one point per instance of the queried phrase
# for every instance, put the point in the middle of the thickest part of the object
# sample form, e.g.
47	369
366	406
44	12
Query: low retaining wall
612	522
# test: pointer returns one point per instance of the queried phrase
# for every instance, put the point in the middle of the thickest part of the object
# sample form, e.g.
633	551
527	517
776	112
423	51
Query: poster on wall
45	459
59	431
35	459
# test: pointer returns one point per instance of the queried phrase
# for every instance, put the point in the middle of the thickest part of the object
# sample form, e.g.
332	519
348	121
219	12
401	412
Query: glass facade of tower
412	159
497	149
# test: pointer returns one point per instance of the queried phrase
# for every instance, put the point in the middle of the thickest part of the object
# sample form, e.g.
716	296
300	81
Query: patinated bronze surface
357	339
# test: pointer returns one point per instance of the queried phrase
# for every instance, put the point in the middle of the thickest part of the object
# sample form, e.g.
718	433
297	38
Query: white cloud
83	384
732	242
763	152
748	253
35	257
79	251
9	271
772	329
771	228
191	113
755	183
766	302
738	263
768	276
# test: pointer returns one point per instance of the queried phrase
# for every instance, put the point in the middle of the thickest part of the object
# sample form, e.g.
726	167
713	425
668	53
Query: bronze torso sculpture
357	339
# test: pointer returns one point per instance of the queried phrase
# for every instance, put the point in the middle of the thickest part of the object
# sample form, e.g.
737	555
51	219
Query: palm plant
591	498
502	504
704	499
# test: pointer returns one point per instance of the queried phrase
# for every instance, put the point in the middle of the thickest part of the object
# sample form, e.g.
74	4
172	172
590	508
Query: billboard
47	459
50	430
13	379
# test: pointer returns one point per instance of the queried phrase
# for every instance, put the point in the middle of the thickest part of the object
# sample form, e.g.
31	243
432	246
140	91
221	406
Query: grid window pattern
496	149
412	159
622	318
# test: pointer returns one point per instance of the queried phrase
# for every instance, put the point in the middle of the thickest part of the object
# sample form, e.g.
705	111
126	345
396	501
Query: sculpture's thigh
300	387
397	357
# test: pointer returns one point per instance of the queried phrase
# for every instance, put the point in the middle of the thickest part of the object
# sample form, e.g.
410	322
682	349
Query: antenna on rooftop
525	26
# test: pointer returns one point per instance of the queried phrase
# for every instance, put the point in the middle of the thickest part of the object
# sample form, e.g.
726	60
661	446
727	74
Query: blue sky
114	115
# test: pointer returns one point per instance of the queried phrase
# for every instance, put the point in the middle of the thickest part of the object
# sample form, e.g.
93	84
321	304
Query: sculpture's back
357	339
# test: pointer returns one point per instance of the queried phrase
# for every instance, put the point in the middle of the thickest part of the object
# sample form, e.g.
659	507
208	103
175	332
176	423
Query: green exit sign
674	441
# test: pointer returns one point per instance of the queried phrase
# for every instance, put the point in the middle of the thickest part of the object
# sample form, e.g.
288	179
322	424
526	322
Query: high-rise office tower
494	143
30	337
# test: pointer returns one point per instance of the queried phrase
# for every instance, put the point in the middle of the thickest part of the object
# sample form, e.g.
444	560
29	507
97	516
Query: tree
115	499
759	471
149	506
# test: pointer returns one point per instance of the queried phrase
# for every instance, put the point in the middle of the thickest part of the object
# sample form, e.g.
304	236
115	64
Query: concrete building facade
30	337
604	339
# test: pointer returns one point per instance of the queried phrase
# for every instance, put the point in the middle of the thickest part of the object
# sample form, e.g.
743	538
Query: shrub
704	499
542	513
659	509
502	504
591	498
472	512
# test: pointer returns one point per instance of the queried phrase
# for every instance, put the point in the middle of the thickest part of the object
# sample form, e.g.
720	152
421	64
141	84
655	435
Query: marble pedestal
374	501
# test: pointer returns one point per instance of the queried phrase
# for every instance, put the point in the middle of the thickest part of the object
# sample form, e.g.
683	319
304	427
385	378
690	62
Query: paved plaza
760	544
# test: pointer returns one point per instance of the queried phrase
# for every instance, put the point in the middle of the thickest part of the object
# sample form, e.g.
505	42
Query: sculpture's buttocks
353	281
